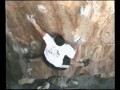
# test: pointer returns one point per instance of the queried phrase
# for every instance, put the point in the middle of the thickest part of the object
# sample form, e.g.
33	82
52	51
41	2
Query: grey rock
59	81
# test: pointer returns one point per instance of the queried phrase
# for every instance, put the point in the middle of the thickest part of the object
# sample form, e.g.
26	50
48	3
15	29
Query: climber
58	53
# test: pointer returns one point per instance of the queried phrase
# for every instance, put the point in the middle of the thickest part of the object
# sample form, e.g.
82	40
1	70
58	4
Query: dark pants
66	61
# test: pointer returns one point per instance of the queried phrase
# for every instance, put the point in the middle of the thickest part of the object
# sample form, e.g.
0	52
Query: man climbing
58	54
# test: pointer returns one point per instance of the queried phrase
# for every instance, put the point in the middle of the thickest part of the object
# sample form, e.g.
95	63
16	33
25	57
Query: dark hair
59	40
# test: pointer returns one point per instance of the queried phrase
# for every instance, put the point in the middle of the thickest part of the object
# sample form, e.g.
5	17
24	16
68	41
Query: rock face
91	20
83	82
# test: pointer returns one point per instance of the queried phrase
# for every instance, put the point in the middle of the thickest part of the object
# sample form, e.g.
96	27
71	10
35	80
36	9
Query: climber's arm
77	55
37	27
39	30
73	54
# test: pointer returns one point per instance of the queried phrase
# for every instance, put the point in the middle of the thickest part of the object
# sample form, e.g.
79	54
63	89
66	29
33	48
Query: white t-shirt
54	53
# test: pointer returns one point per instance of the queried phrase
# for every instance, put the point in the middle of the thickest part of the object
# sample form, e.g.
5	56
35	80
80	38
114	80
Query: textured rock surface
84	82
92	20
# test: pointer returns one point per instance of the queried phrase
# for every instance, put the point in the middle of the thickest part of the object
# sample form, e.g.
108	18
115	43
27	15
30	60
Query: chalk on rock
46	85
85	11
42	8
26	80
76	39
80	40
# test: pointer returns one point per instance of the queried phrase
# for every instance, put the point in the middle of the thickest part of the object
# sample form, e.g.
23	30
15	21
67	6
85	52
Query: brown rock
92	20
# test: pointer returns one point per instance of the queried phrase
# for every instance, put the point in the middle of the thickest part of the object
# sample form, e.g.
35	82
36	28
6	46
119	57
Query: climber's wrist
34	23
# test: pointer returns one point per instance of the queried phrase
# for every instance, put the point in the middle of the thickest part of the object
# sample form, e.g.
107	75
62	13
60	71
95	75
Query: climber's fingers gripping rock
81	41
31	19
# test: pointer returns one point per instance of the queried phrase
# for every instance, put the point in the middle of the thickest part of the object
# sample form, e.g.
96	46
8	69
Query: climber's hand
81	41
86	62
31	19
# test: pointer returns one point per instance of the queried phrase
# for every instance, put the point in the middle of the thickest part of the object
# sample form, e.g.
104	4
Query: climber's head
59	40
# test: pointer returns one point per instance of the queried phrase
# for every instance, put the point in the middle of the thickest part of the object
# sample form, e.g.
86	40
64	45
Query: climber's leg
66	72
76	64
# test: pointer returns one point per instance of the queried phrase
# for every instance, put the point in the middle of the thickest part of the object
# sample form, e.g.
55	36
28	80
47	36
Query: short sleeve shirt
54	53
